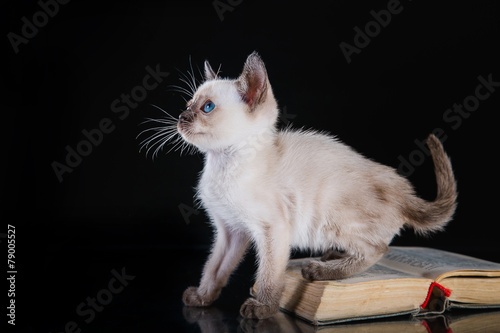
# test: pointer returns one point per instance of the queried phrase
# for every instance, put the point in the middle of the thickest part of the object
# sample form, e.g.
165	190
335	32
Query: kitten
293	188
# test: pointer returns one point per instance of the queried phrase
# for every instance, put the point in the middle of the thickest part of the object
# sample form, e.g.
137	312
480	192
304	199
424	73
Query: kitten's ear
209	72
252	83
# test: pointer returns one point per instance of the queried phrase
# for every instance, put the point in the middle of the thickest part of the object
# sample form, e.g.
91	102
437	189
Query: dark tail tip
445	179
432	216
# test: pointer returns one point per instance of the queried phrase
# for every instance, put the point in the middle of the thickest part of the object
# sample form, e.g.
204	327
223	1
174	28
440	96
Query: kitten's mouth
197	133
183	128
186	132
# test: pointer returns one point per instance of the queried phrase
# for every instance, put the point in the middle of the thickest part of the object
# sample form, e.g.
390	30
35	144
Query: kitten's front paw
252	308
191	297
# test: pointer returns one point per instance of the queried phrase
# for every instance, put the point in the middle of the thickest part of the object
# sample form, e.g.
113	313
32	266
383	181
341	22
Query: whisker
160	146
156	129
177	145
218	70
163	131
161	121
188	80
192	74
153	137
181	90
165	112
189	84
162	141
155	142
184	76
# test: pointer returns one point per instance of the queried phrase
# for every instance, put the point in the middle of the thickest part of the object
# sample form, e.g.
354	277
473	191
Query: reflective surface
76	289
211	320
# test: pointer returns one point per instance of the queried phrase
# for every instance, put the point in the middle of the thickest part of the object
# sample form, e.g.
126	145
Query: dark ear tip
254	56
255	62
209	72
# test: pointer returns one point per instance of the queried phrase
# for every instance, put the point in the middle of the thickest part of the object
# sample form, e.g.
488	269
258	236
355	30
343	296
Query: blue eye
209	106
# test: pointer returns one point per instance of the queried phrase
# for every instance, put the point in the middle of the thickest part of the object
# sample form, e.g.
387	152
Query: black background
119	208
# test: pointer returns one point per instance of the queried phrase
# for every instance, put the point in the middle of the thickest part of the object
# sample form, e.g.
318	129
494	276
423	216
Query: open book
406	280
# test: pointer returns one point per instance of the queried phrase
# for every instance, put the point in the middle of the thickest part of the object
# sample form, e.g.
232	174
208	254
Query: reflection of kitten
283	189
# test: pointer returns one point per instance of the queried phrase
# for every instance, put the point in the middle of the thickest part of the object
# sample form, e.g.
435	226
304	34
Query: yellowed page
432	263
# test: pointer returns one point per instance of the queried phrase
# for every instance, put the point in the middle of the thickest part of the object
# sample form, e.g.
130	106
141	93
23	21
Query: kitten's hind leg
333	254
347	265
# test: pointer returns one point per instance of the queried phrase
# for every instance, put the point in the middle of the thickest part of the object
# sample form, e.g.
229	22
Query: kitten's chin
188	135
192	138
204	142
198	139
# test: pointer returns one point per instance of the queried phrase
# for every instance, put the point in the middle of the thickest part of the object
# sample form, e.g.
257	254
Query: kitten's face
223	122
224	113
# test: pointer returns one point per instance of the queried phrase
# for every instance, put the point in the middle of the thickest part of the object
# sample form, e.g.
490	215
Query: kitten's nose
185	117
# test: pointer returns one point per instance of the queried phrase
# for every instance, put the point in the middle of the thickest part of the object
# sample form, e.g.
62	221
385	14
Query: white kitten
284	189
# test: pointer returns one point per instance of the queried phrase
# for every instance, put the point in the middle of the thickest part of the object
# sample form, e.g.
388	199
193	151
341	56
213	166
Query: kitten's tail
424	216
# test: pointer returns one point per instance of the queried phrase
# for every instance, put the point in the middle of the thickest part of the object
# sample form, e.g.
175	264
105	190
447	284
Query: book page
374	273
431	263
378	272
